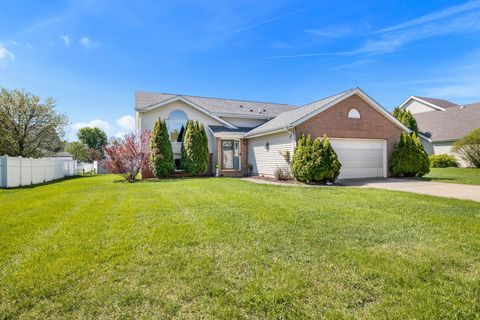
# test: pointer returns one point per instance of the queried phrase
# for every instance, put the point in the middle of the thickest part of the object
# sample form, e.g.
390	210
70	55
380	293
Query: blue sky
91	56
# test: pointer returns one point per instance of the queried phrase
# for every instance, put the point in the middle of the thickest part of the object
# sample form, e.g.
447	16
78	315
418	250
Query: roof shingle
451	124
217	106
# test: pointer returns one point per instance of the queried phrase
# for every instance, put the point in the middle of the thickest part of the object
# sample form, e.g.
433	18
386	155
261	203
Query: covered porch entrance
232	156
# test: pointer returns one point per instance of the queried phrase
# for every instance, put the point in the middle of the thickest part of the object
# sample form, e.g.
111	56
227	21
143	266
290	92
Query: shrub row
195	154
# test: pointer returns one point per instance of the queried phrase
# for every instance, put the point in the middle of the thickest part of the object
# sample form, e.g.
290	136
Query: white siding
417	107
266	161
148	119
244	122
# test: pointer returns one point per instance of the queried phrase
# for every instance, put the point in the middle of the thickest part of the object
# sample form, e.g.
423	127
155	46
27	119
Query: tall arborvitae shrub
302	160
195	149
315	162
409	158
406	117
161	161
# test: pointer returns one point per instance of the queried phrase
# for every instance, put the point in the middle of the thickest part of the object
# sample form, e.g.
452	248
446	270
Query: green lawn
454	175
226	248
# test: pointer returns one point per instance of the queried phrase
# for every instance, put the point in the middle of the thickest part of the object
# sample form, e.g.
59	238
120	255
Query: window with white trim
353	114
176	124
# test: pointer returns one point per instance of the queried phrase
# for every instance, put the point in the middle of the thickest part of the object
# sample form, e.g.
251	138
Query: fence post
20	170
4	181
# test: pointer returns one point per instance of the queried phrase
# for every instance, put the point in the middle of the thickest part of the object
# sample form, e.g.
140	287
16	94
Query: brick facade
334	122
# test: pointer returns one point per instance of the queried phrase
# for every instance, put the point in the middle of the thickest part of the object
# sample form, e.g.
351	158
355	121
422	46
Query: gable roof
438	104
294	117
215	106
450	125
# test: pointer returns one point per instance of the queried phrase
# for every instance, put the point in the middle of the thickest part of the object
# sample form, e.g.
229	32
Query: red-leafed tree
127	156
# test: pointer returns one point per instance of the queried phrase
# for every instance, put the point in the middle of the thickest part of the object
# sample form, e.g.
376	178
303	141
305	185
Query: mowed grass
225	248
454	175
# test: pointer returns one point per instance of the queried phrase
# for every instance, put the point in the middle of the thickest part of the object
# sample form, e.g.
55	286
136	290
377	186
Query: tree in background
127	156
29	128
409	159
161	161
180	134
95	139
469	148
406	117
78	150
195	149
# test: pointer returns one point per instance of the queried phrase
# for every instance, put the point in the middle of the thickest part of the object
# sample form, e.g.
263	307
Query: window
176	124
353	114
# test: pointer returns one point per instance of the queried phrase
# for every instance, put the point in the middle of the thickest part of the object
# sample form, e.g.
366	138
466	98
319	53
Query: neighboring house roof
449	125
216	106
434	103
294	117
438	102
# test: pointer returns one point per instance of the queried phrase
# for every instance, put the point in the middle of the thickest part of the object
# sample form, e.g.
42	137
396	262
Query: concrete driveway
450	190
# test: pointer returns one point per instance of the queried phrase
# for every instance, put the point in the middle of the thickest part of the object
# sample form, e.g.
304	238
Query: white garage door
361	158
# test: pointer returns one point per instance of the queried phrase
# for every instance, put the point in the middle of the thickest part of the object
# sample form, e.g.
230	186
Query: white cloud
331	31
72	130
126	122
119	134
86	42
102	124
5	55
436	15
66	40
393	41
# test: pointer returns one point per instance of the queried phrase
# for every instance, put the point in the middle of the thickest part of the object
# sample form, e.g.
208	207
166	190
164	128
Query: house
255	136
441	122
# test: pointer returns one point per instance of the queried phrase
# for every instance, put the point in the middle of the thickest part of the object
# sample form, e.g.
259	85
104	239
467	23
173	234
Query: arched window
176	123
353	114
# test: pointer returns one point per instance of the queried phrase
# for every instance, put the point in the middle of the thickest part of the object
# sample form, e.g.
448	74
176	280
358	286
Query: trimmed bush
442	161
409	159
161	160
282	174
315	162
195	149
469	148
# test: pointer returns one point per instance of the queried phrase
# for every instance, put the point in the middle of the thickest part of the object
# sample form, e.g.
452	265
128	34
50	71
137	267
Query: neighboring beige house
441	122
245	134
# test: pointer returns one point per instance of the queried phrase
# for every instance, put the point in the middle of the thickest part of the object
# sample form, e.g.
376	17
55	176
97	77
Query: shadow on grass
32	186
431	179
164	180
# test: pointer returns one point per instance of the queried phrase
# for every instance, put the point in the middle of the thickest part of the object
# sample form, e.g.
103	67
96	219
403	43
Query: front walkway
440	189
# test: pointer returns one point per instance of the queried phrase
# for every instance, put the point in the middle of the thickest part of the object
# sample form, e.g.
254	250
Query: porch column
219	154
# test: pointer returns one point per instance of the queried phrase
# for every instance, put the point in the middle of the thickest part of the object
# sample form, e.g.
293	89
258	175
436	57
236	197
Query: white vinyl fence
18	171
85	167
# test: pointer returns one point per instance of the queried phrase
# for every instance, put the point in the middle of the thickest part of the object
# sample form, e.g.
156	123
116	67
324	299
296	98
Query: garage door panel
360	158
360	154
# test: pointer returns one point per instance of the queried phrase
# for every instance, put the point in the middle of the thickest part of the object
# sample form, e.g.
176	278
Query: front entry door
230	155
